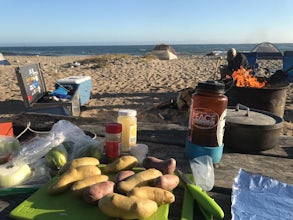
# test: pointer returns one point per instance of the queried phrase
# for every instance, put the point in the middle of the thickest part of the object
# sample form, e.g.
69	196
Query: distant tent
267	50
164	52
3	61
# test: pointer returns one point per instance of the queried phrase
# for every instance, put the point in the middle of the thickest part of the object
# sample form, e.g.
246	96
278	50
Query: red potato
123	175
95	192
167	182
165	166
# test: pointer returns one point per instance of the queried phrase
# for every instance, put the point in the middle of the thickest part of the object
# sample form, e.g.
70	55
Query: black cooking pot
251	130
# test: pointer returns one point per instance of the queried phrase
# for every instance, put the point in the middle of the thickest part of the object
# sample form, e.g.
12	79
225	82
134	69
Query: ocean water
138	50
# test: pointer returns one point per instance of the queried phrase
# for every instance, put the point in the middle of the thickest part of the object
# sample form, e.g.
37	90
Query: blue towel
59	93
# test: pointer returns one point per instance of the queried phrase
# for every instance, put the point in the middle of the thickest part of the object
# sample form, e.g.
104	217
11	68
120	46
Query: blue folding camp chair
287	64
251	58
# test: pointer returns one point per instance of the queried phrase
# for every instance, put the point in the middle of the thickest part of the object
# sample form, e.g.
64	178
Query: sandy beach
126	82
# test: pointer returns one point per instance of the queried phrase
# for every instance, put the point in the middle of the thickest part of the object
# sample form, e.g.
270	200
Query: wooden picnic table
167	140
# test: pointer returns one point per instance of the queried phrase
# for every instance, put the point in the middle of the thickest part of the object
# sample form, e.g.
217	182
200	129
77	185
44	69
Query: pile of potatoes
128	194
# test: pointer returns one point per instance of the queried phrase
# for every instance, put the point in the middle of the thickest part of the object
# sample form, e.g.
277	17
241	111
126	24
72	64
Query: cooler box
35	95
80	84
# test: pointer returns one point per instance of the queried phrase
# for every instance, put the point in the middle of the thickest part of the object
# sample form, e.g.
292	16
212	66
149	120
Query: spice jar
113	140
127	117
207	114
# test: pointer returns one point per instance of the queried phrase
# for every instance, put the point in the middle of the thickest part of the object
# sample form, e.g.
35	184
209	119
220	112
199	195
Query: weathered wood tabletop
167	140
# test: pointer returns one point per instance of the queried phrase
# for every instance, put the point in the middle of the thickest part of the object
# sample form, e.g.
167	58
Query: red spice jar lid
113	128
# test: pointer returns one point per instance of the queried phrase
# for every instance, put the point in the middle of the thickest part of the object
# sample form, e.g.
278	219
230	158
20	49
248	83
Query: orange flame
244	78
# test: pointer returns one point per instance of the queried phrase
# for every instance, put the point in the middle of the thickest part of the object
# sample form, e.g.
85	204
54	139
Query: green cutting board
67	206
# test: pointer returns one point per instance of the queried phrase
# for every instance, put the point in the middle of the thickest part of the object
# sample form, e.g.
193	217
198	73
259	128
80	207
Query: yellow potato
79	186
159	195
119	206
79	162
126	162
71	176
143	178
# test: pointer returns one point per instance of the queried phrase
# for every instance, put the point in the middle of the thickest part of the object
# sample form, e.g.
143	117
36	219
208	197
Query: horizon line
116	44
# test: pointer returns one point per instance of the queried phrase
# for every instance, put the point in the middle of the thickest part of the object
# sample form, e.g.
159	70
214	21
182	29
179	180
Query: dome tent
164	52
3	61
267	50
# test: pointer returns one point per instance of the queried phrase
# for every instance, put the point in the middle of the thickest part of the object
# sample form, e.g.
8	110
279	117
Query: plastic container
203	172
7	146
207	114
127	117
113	140
194	151
139	151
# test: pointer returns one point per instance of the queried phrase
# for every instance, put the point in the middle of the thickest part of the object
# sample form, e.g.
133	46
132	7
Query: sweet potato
124	207
159	195
123	175
79	162
143	178
165	166
167	182
79	186
94	193
72	175
126	162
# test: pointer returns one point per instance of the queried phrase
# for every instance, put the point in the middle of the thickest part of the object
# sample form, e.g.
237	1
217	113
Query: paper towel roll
12	174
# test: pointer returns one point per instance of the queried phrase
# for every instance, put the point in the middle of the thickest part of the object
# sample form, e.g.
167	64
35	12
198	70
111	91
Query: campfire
245	78
258	91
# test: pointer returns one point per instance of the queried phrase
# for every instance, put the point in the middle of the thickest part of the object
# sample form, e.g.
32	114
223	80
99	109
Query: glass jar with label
127	117
207	114
113	140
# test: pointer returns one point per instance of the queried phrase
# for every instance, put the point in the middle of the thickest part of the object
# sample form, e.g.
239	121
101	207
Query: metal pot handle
244	107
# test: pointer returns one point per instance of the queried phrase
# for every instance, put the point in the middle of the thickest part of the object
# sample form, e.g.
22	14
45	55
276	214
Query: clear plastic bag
62	131
33	151
203	172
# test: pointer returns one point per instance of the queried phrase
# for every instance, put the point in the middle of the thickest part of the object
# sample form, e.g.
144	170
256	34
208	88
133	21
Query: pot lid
248	117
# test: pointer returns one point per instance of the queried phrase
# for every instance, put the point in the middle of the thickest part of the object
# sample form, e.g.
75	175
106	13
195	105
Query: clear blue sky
109	22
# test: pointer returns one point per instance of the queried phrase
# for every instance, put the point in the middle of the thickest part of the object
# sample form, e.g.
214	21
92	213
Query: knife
202	198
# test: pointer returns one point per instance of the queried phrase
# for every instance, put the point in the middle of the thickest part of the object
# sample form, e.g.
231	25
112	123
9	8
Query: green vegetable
8	144
68	146
91	151
205	201
56	157
96	152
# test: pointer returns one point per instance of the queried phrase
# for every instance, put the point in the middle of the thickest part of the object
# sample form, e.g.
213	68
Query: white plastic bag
203	172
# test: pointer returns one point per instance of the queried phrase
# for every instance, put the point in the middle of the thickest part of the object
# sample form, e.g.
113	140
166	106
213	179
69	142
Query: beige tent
164	52
3	61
